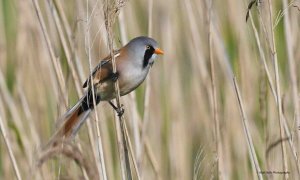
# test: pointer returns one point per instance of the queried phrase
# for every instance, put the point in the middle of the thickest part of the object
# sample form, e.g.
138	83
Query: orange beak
158	51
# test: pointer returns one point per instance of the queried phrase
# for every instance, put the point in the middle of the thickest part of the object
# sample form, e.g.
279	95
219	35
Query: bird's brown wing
102	72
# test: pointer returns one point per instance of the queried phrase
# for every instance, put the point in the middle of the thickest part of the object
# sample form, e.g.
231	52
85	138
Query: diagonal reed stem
99	139
252	153
278	91
111	11
10	152
218	139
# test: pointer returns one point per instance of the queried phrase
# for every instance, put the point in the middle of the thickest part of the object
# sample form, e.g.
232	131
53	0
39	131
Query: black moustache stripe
148	54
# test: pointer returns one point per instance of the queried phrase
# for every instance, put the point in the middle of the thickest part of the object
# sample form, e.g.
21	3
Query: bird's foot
115	76
120	110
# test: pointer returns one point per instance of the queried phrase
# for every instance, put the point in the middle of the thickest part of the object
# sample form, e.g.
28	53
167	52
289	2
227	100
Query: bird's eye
147	47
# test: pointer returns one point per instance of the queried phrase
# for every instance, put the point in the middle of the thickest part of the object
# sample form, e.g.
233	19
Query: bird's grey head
145	49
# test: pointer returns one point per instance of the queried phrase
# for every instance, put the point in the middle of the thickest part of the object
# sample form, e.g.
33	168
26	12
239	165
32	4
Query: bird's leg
120	110
114	76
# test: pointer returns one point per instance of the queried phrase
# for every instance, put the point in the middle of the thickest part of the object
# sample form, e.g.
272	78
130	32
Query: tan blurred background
185	126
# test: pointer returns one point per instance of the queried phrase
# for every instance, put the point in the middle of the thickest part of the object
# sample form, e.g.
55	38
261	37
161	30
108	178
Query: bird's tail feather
69	124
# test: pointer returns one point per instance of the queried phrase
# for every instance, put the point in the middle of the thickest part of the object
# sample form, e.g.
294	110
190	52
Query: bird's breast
130	78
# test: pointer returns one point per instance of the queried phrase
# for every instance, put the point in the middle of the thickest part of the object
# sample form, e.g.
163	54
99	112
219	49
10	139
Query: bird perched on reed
133	62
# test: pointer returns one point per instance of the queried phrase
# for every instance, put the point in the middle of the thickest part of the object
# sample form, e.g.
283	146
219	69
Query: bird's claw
114	76
120	111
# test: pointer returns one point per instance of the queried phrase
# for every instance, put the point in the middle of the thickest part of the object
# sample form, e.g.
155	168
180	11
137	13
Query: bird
133	62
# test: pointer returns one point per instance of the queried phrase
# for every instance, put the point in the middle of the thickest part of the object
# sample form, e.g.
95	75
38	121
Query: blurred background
185	120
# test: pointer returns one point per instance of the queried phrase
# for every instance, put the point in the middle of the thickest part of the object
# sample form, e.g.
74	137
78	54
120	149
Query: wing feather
102	71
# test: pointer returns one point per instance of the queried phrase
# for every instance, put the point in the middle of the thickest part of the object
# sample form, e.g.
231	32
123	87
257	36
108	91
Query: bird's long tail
71	121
